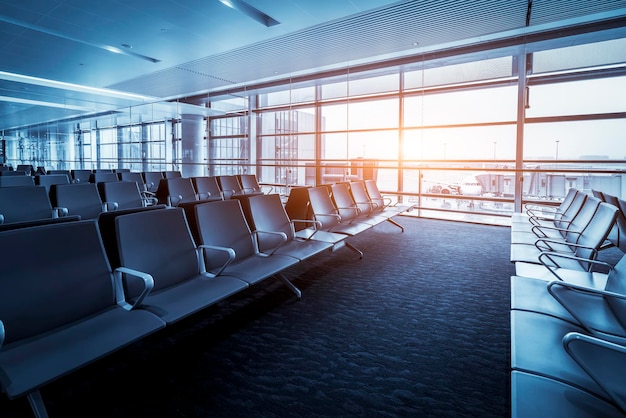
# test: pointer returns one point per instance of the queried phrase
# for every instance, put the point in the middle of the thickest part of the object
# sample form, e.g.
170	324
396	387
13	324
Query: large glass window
487	105
442	133
577	97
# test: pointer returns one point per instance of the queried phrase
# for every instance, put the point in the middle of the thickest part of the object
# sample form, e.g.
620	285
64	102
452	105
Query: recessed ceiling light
416	43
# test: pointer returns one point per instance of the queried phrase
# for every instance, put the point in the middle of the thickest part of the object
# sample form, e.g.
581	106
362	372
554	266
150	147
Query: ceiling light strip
26	79
46	104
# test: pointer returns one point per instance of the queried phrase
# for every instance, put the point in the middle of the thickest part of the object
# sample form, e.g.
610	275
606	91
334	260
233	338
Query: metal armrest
282	235
316	225
548	247
2	334
357	211
202	249
387	201
368	203
150	201
594	251
109	206
546	227
607	385
174	200
59	212
550	255
148	192
332	215
535	220
551	209
119	286
588	290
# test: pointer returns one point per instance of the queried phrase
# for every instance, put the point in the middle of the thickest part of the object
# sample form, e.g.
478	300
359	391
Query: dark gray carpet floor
418	328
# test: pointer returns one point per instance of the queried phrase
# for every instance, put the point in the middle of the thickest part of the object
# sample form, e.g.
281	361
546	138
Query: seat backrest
133	176
223	223
565	204
176	190
101	176
582	219
80	199
598	194
37	222
361	198
567	200
347	207
172	174
597	230
48	180
375	195
321	204
68	173
106	224
125	193
621	216
208	186
268	214
81	176
65	277
298	206
16	181
152	180
28	169
157	242
229	185
18	204
249	183
563	219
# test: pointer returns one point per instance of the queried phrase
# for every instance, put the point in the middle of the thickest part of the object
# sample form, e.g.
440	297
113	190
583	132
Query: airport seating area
142	263
568	338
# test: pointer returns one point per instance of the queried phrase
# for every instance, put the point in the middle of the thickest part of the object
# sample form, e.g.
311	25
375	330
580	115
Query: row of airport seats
183	190
80	200
121	190
568	310
25	178
132	272
148	181
347	208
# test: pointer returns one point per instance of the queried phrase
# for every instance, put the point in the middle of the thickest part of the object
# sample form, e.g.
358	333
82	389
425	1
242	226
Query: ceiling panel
202	45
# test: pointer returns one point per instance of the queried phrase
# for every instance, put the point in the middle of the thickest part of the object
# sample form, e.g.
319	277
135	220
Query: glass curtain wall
125	140
467	137
445	136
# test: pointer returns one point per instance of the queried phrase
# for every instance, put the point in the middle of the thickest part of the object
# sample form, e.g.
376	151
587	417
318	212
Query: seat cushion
29	364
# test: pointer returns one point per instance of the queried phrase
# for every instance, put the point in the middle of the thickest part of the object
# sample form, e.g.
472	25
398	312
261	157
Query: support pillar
193	160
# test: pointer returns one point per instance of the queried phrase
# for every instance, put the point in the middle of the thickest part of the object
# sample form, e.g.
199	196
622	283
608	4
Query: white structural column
193	159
